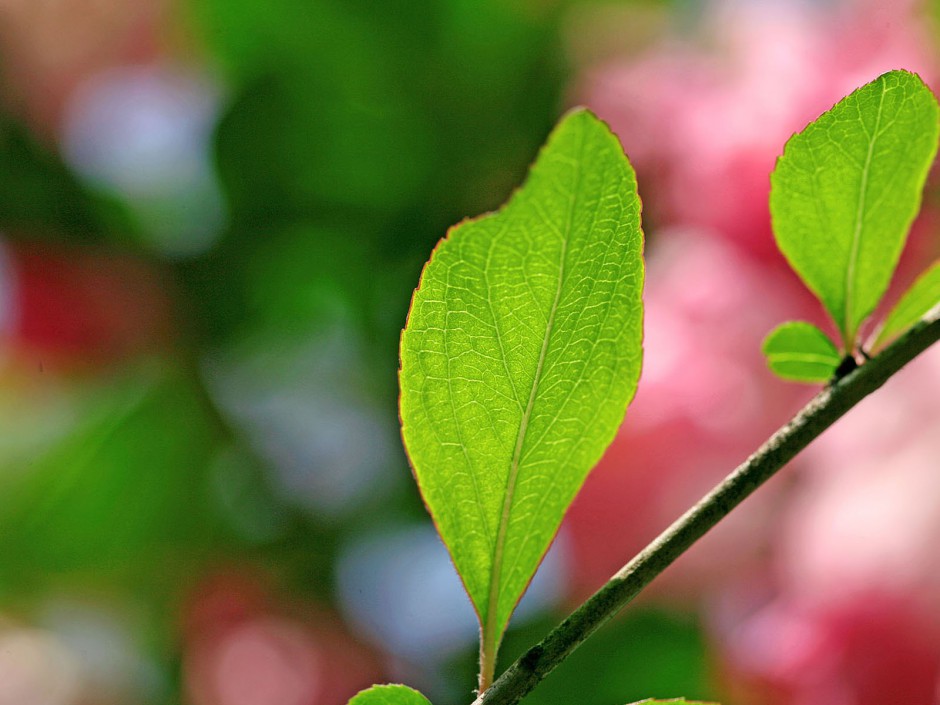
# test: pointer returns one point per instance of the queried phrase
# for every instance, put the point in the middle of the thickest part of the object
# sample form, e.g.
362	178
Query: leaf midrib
849	289
804	357
490	626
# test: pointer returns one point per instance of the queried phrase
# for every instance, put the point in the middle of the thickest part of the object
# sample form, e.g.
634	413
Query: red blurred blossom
703	119
71	305
871	649
248	644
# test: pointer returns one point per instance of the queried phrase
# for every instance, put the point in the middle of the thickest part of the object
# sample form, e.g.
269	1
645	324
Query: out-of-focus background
213	214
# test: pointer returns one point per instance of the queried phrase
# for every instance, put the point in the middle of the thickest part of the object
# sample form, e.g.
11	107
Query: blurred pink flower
825	586
248	645
868	517
704	119
854	617
870	649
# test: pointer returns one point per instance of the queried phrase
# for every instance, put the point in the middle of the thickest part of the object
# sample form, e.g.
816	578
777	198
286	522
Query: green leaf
923	295
675	701
800	351
522	350
389	695
846	189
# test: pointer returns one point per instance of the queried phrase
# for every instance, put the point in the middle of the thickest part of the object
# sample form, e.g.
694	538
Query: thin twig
824	410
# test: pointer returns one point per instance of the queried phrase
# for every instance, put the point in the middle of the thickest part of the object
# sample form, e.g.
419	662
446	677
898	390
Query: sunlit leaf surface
800	351
923	295
389	695
846	189
521	353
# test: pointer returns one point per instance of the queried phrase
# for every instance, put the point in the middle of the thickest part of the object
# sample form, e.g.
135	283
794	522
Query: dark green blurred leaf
290	146
373	127
124	492
381	109
40	196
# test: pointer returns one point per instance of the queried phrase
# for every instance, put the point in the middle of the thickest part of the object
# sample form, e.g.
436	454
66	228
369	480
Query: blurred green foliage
644	653
375	126
353	135
41	199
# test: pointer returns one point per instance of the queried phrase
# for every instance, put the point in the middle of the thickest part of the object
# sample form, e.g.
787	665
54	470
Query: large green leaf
800	351
521	353
389	695
923	295
846	189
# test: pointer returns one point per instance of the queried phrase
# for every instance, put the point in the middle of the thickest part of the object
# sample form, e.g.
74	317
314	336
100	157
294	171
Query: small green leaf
676	701
801	352
521	353
389	695
846	189
923	295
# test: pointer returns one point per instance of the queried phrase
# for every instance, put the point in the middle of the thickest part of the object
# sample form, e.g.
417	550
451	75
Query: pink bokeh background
823	587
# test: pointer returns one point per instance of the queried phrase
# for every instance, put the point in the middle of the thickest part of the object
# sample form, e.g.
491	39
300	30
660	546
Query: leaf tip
390	694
